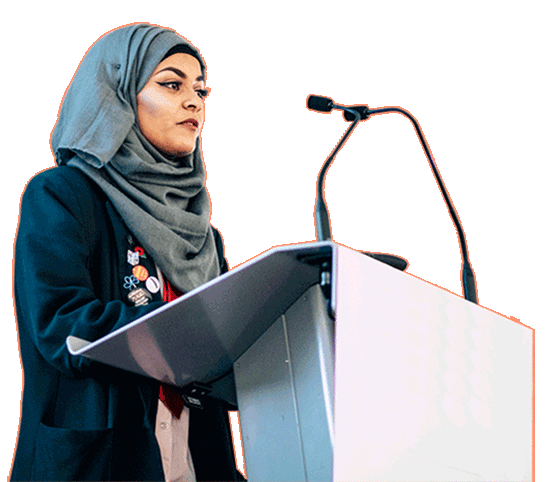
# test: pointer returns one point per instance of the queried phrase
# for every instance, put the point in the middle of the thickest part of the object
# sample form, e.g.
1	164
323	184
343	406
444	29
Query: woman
128	194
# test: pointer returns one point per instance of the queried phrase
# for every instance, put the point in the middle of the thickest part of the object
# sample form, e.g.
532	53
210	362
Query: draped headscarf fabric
163	201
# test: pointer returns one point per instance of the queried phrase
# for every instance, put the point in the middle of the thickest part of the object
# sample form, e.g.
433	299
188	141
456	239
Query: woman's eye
202	92
174	85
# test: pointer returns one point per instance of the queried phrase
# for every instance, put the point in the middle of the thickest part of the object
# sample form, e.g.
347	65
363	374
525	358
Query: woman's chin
176	153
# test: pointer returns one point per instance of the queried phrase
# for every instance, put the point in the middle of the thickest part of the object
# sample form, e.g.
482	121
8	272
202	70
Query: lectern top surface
200	335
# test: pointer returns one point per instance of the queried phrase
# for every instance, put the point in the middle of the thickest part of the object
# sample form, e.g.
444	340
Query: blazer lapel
138	277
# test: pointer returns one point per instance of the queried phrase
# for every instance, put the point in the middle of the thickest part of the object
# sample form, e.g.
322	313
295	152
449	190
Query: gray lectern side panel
200	335
267	410
285	395
310	341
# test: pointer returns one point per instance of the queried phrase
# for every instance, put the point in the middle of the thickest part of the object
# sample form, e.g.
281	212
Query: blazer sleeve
53	288
224	268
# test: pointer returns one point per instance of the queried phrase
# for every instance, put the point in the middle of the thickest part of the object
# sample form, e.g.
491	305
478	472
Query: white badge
152	284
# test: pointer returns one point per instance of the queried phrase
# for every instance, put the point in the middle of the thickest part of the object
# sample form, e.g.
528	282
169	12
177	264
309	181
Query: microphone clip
363	110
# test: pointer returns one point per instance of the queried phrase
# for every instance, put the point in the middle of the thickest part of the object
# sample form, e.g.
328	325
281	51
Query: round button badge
152	284
140	272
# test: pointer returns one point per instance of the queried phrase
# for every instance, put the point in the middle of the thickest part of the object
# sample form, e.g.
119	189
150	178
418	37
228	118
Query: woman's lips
190	123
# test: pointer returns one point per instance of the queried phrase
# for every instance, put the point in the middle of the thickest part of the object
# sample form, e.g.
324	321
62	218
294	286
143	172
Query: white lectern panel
429	387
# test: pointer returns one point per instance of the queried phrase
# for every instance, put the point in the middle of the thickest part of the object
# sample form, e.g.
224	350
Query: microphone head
319	103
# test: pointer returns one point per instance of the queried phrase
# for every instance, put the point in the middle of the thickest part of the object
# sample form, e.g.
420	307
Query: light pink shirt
172	436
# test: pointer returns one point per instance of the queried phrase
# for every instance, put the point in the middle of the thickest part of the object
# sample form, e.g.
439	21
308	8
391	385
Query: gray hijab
162	201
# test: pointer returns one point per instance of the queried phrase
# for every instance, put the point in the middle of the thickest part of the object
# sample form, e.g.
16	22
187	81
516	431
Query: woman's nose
192	101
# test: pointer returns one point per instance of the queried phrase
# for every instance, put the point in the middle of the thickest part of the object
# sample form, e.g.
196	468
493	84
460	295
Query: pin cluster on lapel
139	295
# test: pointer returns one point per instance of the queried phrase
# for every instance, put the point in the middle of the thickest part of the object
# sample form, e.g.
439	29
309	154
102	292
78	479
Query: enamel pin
133	258
130	282
139	297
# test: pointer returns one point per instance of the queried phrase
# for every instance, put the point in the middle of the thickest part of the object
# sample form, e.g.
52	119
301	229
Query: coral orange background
472	73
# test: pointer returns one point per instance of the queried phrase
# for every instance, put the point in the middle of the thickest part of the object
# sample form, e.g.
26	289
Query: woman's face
171	107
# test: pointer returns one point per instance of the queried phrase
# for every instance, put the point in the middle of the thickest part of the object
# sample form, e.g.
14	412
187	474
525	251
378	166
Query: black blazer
82	420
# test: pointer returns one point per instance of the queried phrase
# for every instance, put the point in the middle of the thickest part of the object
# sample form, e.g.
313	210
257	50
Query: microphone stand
322	218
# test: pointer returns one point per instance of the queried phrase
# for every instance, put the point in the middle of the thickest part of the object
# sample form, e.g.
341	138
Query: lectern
386	378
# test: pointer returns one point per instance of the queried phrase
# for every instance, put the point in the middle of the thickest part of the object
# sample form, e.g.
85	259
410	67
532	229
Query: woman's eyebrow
180	73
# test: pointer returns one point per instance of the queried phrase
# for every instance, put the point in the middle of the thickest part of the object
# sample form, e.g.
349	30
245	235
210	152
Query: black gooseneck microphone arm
322	218
469	283
363	112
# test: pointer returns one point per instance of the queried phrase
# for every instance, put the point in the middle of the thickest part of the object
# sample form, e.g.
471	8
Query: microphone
362	112
319	103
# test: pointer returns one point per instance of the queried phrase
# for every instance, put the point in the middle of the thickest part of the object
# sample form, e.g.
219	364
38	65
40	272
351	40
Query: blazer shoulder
61	180
63	186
